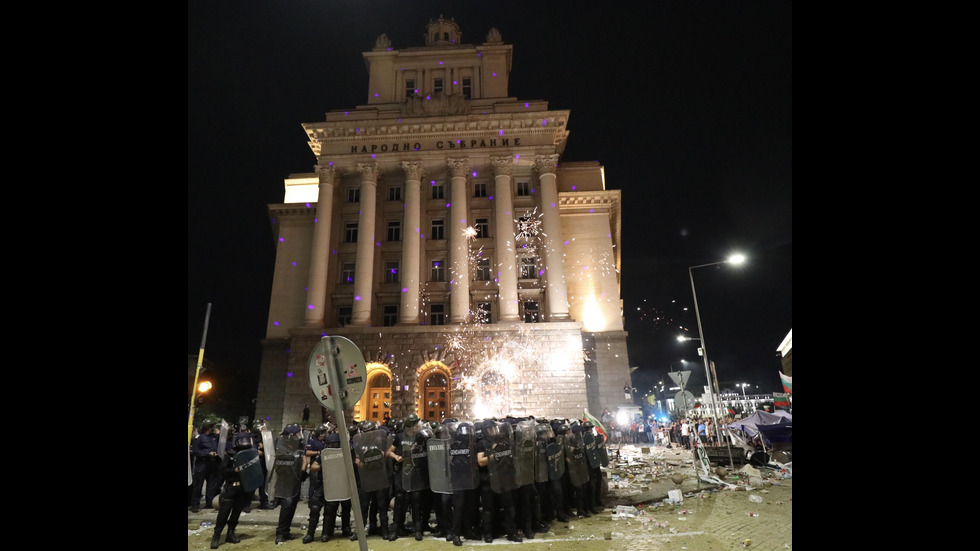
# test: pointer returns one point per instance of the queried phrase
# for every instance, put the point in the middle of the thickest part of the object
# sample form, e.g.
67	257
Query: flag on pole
787	382
596	423
780	399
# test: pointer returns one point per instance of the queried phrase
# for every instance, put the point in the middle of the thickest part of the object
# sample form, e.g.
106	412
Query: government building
442	232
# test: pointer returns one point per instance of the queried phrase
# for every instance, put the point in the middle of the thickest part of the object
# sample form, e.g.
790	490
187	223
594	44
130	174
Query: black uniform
233	498
496	506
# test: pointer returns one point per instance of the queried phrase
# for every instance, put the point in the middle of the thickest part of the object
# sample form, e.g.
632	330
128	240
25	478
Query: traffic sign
345	360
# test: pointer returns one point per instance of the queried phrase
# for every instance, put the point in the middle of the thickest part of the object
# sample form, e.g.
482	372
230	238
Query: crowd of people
454	479
678	432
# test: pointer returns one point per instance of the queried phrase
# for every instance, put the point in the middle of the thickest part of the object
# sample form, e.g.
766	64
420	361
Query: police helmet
562	429
587	425
293	429
333	440
368	426
243	441
322	429
411	420
257	426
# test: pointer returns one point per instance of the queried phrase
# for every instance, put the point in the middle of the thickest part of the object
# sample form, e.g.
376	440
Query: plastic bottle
626	510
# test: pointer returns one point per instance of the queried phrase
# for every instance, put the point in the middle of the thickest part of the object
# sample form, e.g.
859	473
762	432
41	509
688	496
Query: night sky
687	105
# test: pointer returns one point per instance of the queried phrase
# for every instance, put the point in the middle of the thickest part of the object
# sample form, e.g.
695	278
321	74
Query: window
483	312
437	314
479	189
390	315
350	232
344	314
531	311
353	195
395	193
529	269
438	230
436	85
347	273
482	227
438	272
410	87
394	231
483	269
438	190
523	188
467	88
391	271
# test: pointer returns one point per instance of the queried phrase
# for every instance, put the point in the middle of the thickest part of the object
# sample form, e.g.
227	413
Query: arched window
376	403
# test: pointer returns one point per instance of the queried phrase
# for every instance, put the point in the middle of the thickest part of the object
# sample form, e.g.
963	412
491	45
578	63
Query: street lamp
743	385
734	259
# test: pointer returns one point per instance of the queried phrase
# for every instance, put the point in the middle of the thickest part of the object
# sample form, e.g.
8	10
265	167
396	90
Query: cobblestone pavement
752	510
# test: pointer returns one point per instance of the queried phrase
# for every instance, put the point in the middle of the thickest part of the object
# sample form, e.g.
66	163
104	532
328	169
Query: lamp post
743	385
734	259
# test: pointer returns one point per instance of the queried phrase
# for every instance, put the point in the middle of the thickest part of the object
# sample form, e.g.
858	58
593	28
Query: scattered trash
675	496
206	524
626	511
752	514
755	499
746	543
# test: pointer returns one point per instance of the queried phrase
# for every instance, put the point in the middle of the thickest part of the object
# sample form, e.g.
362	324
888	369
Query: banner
787	382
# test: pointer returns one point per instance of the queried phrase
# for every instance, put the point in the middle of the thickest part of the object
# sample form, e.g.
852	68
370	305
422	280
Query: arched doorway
375	403
435	393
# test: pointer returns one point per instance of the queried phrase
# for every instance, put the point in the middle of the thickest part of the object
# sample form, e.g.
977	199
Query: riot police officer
207	465
464	479
338	484
233	496
370	449
495	453
288	476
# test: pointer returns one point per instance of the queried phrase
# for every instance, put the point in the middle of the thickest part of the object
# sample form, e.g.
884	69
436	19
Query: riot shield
543	434
268	450
287	471
556	459
370	448
603	452
334	475
439	465
578	473
415	466
591	447
250	469
223	439
524	452
501	458
463	471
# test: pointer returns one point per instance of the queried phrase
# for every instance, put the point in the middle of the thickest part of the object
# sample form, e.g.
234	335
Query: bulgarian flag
780	399
787	382
595	422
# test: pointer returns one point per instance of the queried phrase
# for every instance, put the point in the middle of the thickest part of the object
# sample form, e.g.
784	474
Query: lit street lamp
734	259
743	385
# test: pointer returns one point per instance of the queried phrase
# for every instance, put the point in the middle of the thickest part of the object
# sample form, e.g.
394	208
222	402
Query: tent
750	424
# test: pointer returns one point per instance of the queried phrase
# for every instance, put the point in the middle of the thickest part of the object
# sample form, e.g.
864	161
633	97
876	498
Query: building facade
442	233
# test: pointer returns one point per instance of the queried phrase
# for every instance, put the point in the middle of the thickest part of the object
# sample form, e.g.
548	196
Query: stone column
507	268
363	273
316	288
408	314
554	248
459	281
